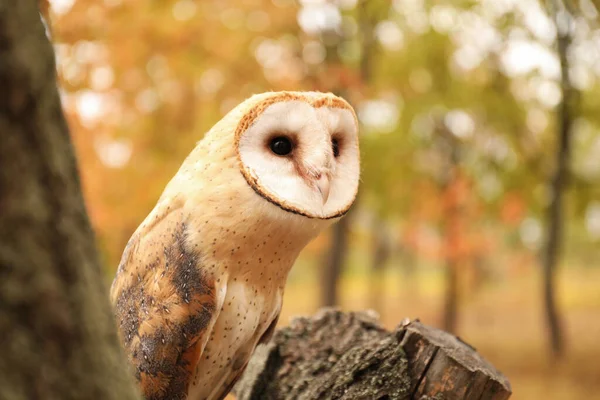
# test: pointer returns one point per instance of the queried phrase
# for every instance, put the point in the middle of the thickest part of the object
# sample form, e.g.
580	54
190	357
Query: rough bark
58	336
336	355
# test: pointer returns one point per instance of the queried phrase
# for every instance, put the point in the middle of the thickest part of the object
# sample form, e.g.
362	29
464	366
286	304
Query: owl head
299	151
282	154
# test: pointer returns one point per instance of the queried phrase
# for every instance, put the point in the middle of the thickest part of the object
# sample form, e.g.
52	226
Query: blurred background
479	210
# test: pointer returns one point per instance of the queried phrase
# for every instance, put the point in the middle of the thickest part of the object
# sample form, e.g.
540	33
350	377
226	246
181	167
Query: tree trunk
334	262
452	234
379	256
334	355
450	317
336	256
551	251
407	253
58	335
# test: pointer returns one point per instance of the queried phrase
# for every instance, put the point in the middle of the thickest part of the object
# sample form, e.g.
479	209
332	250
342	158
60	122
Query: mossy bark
336	355
58	334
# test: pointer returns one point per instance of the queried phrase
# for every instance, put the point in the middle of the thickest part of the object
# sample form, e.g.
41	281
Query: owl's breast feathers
165	306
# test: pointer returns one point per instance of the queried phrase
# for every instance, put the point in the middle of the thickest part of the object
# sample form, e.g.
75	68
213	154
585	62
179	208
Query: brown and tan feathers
164	305
201	281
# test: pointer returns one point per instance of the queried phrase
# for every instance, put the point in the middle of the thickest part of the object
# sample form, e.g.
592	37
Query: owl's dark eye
281	146
336	147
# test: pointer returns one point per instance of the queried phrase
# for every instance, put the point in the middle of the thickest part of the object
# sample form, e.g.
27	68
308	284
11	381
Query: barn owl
201	280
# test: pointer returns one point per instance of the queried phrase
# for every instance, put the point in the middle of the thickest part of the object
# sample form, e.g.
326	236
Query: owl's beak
322	184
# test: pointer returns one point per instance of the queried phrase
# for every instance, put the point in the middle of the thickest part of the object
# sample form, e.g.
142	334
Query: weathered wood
336	355
440	364
58	334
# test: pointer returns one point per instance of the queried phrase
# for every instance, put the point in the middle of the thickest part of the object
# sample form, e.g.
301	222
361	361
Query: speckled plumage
201	281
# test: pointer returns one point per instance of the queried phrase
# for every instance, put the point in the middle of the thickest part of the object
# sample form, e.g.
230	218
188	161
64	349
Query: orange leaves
443	223
338	76
513	209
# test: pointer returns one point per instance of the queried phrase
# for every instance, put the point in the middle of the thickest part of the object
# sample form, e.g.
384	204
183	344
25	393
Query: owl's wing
165	304
238	370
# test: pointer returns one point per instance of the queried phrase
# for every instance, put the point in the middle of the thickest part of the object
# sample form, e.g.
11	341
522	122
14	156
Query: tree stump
336	355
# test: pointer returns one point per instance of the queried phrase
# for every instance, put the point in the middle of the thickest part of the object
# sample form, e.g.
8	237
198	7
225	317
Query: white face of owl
302	155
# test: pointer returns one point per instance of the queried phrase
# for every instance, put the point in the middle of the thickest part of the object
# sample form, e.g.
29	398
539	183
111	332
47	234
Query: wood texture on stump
336	355
58	336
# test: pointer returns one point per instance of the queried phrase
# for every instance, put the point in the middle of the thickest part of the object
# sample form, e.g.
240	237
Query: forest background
479	210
